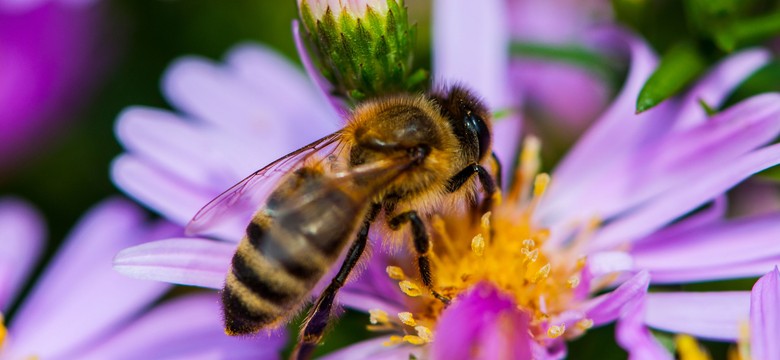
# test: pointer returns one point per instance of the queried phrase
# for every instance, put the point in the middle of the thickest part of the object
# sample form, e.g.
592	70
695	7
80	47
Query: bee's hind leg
317	320
422	245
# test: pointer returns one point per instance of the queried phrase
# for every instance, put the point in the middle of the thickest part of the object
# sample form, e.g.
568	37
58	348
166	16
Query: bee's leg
488	184
422	245
317	319
498	175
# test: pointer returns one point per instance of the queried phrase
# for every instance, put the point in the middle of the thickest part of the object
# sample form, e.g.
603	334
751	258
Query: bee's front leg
487	181
422	245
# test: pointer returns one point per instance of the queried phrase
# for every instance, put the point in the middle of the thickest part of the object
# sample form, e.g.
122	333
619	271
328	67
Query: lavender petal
22	233
765	316
709	315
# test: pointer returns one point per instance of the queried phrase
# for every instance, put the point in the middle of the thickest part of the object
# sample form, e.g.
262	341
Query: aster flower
619	214
79	308
38	72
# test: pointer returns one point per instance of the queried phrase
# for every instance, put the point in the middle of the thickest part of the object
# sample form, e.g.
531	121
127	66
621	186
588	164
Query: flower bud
362	47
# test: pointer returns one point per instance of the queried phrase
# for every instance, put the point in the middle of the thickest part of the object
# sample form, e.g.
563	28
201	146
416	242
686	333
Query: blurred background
68	68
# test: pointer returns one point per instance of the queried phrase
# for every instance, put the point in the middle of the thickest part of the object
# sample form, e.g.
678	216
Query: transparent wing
236	205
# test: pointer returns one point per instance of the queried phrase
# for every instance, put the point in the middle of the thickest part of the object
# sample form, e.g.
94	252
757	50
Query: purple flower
45	52
637	201
79	308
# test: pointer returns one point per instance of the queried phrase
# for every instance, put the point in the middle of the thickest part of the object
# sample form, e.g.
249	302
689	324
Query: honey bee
397	159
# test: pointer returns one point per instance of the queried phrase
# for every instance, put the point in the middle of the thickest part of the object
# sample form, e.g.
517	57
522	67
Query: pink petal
713	245
22	233
79	297
188	327
608	307
166	194
611	139
709	315
482	324
186	261
683	199
717	84
632	334
753	268
765	317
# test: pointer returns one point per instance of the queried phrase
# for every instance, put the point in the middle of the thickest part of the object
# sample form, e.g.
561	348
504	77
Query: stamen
478	245
394	340
407	318
529	244
689	348
378	317
424	333
556	331
540	184
528	167
573	281
414	340
410	288
395	273
530	256
584	324
542	273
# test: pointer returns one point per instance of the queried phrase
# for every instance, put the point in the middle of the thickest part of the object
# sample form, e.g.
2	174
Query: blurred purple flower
560	100
80	309
46	52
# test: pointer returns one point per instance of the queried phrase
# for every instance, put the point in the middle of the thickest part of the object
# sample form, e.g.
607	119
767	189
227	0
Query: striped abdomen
288	247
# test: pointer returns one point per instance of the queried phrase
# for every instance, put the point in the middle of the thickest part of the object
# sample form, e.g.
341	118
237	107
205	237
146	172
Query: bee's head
468	117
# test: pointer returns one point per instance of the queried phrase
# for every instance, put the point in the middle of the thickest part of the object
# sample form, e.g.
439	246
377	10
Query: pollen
556	331
584	324
378	317
424	333
407	318
573	281
414	339
409	288
540	184
478	245
393	340
395	273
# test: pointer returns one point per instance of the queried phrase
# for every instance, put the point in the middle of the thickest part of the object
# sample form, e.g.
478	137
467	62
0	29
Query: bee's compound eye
478	127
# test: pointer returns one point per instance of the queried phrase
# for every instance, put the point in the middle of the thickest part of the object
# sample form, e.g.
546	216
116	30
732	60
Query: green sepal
680	65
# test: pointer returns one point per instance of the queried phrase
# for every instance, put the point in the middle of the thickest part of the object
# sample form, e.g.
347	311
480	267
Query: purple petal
374	349
22	233
608	307
713	245
186	261
609	262
632	334
709	315
765	316
185	328
322	84
79	297
610	140
171	197
753	268
718	84
482	324
484	64
683	199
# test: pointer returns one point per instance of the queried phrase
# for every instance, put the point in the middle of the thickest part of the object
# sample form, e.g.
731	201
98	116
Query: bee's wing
242	200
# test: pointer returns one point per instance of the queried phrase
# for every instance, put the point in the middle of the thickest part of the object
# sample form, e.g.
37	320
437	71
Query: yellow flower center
3	331
506	249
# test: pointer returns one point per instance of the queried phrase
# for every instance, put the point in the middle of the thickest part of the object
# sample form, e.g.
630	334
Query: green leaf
678	67
748	30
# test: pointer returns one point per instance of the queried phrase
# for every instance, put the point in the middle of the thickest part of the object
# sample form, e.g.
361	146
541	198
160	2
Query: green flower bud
363	47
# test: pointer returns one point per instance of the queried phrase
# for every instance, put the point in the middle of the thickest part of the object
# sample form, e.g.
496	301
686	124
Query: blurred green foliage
690	35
